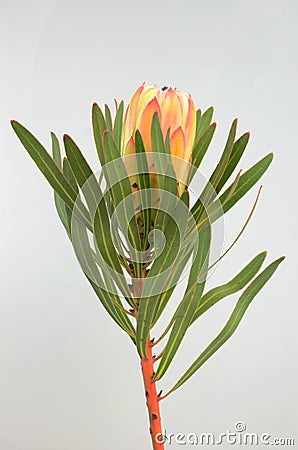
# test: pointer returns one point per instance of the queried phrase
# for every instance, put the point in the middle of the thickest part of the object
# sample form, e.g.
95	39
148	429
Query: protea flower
87	208
177	115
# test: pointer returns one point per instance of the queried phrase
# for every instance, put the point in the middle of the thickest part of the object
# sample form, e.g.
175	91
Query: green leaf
118	184
189	242
109	300
61	210
59	203
166	175
187	307
202	145
210	191
51	172
108	117
174	233
144	186
215	209
118	124
235	285
69	175
176	273
198	118
83	175
56	150
101	225
246	181
237	152
99	127
162	271
218	293
222	165
203	121
149	301
162	158
232	324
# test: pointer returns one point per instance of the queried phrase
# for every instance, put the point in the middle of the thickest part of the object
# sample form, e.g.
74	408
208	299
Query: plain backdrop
69	378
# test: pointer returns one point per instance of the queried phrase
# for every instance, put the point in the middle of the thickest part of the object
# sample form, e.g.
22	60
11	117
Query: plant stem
152	399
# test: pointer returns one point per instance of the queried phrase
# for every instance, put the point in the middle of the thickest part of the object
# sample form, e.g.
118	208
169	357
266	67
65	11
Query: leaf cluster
133	290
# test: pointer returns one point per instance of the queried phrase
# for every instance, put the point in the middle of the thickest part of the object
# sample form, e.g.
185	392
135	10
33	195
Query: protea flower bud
176	112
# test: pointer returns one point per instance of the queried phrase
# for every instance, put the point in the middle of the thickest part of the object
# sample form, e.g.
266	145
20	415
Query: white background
69	378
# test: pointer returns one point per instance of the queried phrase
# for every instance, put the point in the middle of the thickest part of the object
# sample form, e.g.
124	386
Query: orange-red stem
152	399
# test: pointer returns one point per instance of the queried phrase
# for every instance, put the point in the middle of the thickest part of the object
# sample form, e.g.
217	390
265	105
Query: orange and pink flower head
177	115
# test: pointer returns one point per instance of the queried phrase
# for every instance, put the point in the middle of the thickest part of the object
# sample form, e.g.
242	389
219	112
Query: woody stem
152	399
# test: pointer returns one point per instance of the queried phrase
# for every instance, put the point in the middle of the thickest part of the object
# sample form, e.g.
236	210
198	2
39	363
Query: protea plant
134	231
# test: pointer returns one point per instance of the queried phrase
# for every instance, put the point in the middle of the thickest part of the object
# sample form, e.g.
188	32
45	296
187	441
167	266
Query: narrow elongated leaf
216	294
183	259
56	150
110	301
161	265
70	177
202	144
59	203
99	127
108	117
222	165
237	152
232	324
61	210
188	245
68	173
149	301
203	121
199	263
210	191
246	181
215	209
187	306
94	197
165	171
83	175
127	327
119	185
117	131
236	284
198	117
176	273
144	186
51	172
